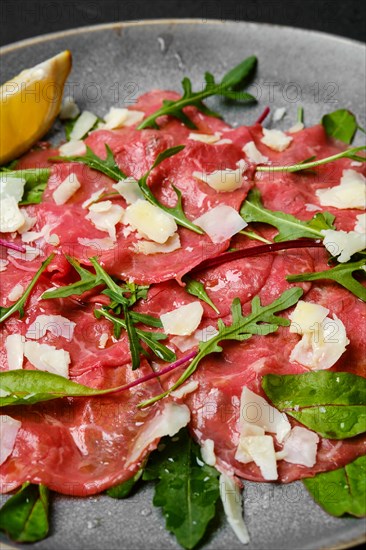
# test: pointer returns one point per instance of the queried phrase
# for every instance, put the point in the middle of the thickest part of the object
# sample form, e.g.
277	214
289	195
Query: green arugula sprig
18	306
341	125
330	403
342	491
36	180
348	153
261	321
343	274
228	87
289	227
186	489
196	288
107	166
24	516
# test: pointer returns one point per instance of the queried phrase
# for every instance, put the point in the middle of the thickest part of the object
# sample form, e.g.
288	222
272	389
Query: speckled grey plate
114	64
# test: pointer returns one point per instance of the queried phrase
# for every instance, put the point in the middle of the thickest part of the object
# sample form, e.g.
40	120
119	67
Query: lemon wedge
29	104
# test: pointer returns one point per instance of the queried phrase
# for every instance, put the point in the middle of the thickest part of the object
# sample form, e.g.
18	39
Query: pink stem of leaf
263	116
13	246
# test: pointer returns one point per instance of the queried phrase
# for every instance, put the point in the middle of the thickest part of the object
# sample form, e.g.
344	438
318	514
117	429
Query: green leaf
186	491
196	288
347	154
289	227
135	347
261	321
123	490
340	124
24	516
87	282
330	403
36	180
342	491
177	211
341	274
18	306
233	80
107	166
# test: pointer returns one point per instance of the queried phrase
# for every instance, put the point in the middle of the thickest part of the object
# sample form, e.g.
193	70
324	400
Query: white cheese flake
48	358
55	324
105	216
296	128
221	223
205	138
148	247
11	187
185	389
360	225
93	197
14	351
69	109
29	255
306	316
97	244
184	320
343	244
276	140
207	452
11	218
223	181
129	189
260	448
29	222
66	189
301	447
15	293
233	507
9	428
72	148
350	193
279	114
104	337
150	221
3	265
117	118
83	125
253	154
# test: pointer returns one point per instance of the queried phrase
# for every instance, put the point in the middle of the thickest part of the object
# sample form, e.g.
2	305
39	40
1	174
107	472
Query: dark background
25	18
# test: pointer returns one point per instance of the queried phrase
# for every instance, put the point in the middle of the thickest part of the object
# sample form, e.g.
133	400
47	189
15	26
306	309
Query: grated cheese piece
55	324
48	358
350	193
260	449
11	218
223	181
343	244
205	138
306	315
129	189
72	148
233	507
83	125
301	447
66	189
14	351
117	118
221	223
150	221
253	154
69	109
11	187
105	216
9	428
184	320
207	452
148	248
276	140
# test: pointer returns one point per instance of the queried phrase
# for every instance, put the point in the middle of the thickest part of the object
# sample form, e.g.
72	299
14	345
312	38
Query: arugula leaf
330	403
340	124
289	227
87	282
36	180
196	288
261	321
186	492
6	312
107	166
348	153
24	516
230	83
135	347
341	274
124	489
342	491
177	211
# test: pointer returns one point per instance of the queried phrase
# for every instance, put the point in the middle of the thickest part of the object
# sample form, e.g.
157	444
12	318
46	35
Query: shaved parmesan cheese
255	410
116	118
105	216
11	187
14	351
360	225
232	503
224	142
83	125
262	452
166	422
150	221
278	114
31	236
66	189
350	193
185	343
207	452
183	320
15	293
3	264
253	154
311	207
55	324
186	388
9	428
321	348
69	109
104	337
343	244
29	255
221	223
93	197
276	140
205	138
129	189
53	239
48	358
97	244
222	180
72	148
147	247
306	315
11	217
301	447
296	128
28	222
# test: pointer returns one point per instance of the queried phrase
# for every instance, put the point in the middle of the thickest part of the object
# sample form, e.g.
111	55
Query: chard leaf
24	516
196	288
329	403
18	306
230	83
341	491
107	166
340	124
289	227
123	490
343	274
186	491
261	321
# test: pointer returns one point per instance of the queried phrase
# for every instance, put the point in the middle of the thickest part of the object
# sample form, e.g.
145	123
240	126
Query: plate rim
117	25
